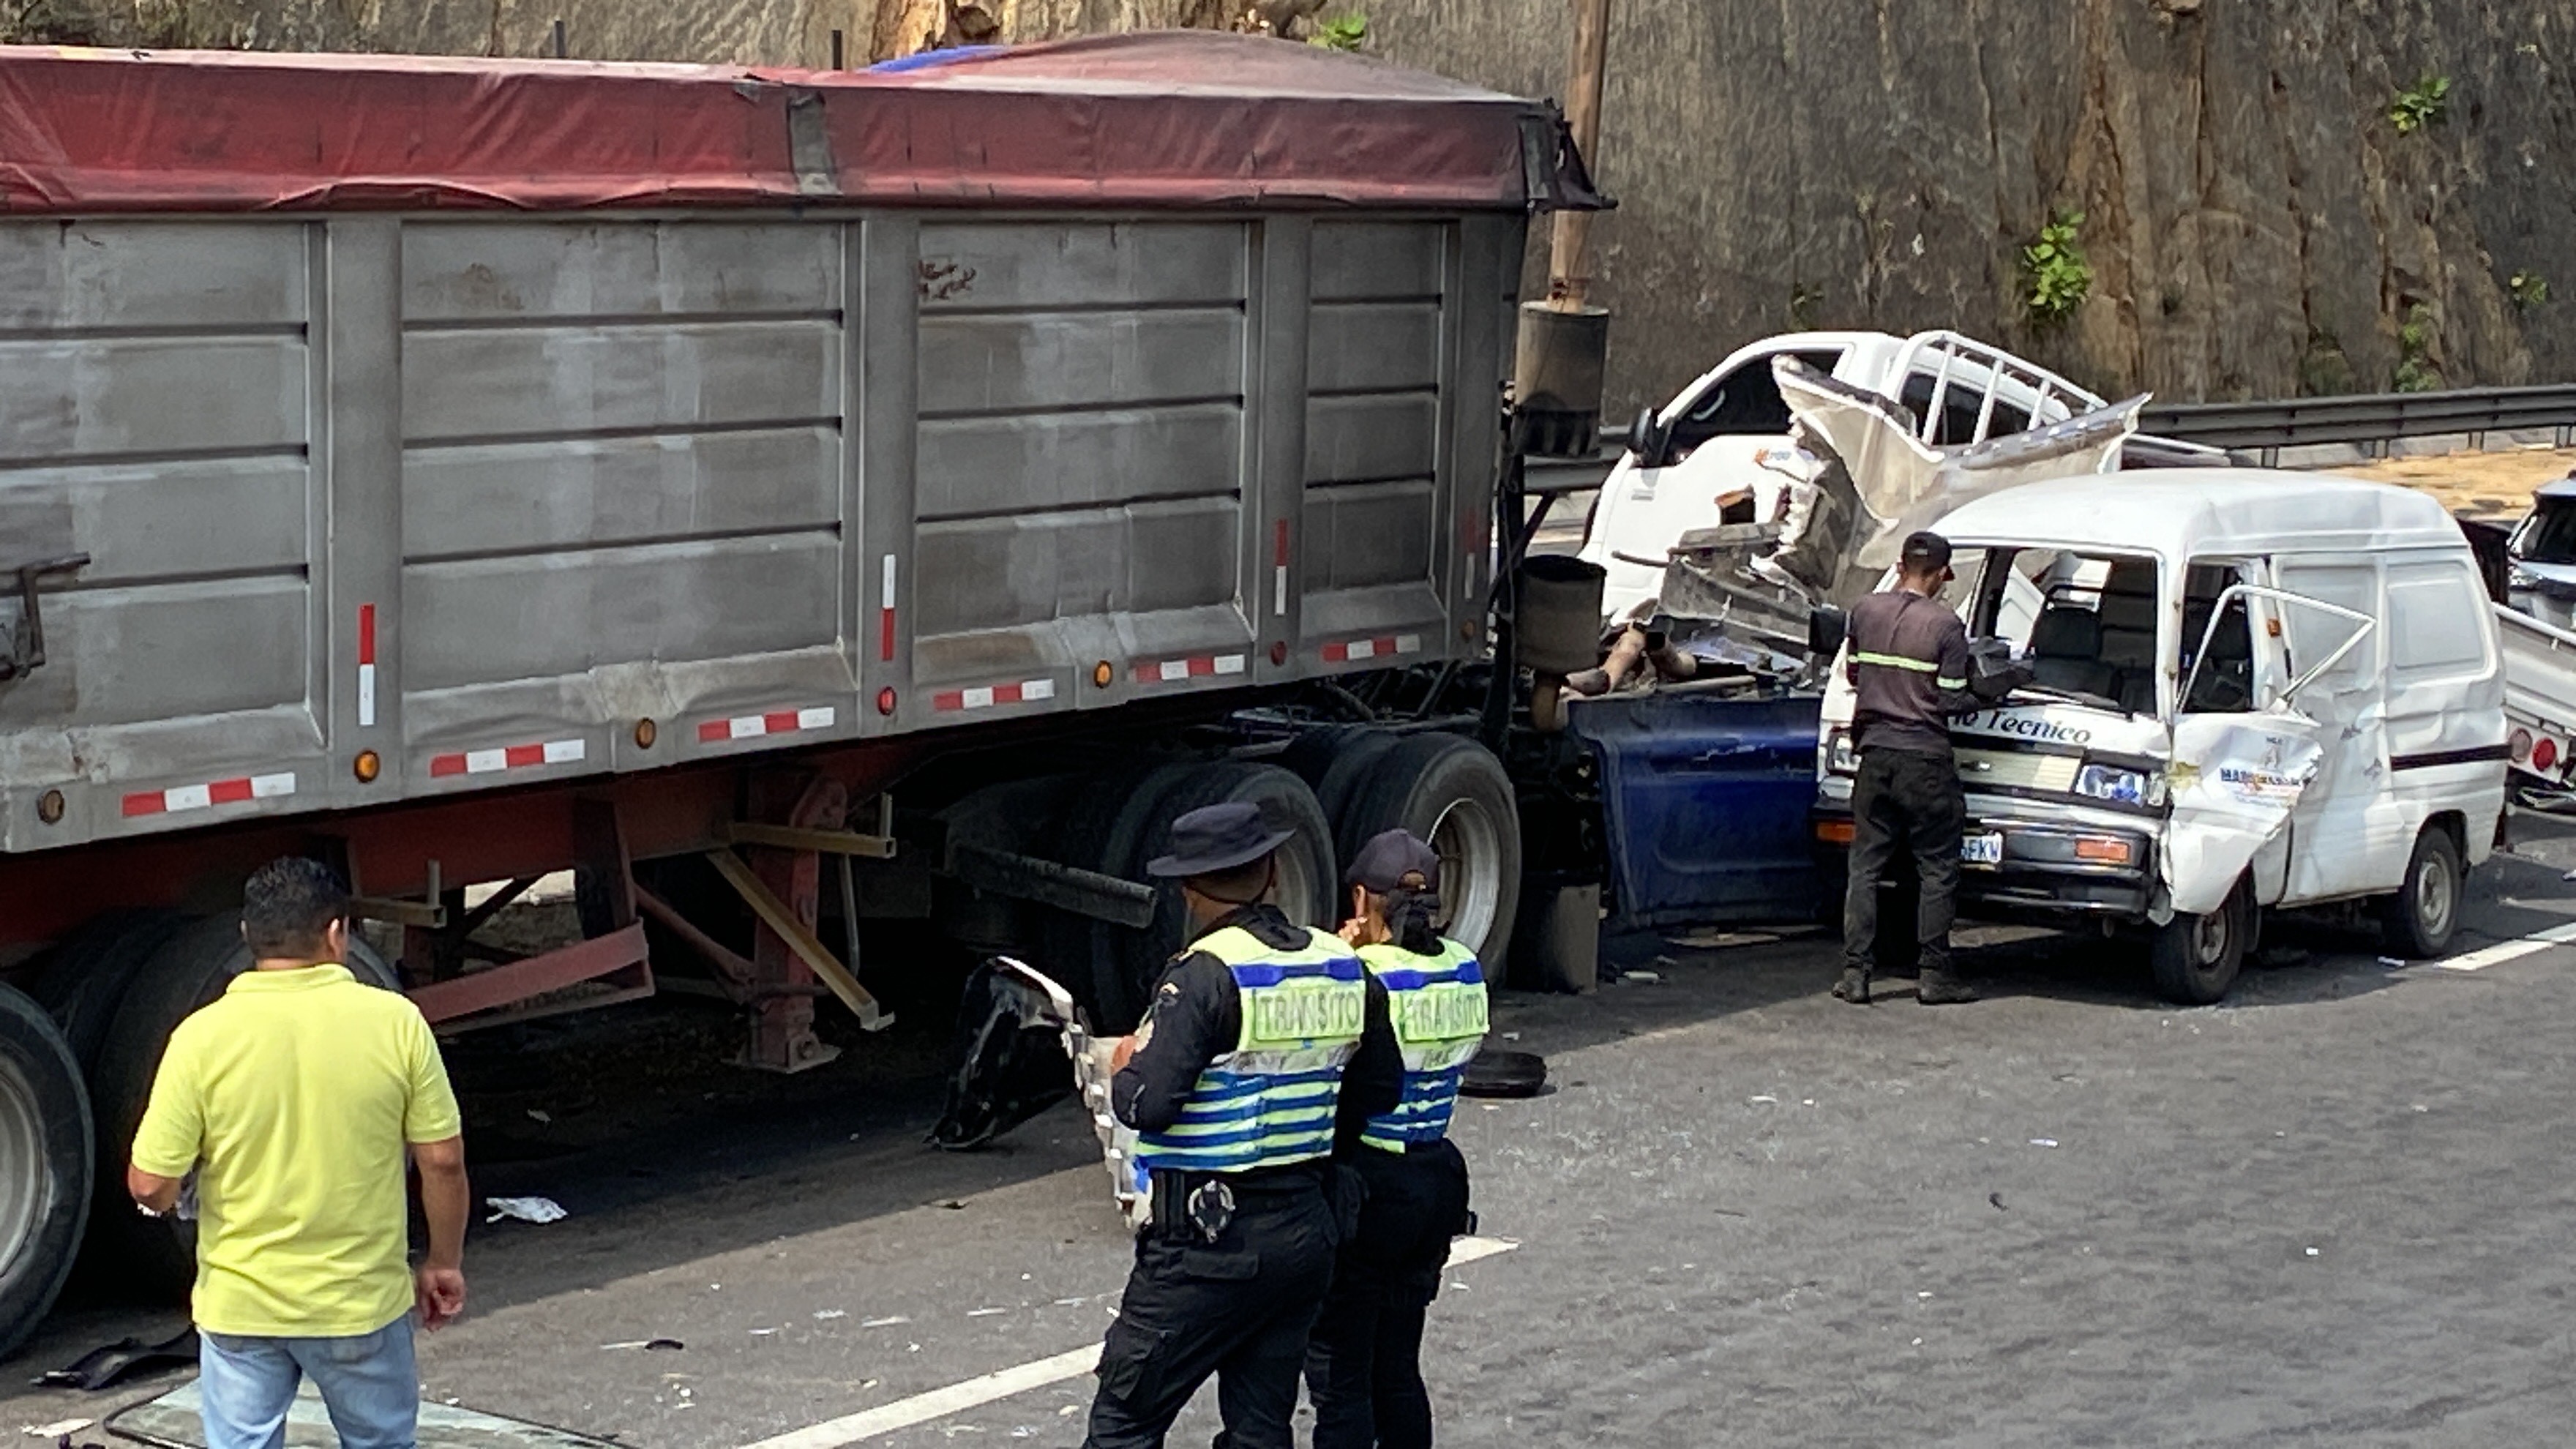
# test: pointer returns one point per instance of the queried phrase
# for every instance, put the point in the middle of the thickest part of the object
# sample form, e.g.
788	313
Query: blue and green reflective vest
1270	1101
1438	1002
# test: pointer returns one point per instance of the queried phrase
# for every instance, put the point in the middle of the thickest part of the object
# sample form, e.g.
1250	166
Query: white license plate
1983	849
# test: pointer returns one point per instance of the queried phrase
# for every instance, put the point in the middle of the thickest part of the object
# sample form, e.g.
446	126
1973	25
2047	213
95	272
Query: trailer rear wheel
45	1172
84	981
1131	960
1452	792
191	968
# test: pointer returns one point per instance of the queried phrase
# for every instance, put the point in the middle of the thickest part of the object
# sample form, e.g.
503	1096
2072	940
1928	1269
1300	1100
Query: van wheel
2420	918
44	1164
2196	958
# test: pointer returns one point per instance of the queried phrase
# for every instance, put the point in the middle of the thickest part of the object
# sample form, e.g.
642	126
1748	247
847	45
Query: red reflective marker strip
366	633
982	696
885	610
508	757
216	792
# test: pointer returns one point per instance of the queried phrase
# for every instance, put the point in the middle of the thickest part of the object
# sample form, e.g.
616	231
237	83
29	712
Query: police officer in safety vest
1364	1364
1263	1041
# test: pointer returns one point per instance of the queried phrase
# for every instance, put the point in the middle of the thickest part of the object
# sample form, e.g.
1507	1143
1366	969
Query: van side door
2347	836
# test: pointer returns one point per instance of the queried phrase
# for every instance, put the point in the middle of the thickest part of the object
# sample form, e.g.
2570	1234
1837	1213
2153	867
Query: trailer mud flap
2234	781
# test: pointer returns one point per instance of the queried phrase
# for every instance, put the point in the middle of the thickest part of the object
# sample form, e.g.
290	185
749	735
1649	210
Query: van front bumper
2045	868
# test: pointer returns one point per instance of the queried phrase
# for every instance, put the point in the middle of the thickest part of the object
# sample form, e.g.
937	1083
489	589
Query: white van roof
2186	513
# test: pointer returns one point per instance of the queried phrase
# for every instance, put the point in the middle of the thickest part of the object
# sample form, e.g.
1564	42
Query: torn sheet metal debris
525	1209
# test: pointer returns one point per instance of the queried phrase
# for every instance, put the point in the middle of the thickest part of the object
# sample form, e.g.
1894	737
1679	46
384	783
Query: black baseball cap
1926	551
1390	857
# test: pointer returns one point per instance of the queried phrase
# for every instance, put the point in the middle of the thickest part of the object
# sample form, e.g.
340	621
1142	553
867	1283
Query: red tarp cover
1163	119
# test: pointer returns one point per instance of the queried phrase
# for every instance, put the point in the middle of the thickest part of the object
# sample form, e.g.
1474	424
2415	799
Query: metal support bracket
26	648
1067	888
775	914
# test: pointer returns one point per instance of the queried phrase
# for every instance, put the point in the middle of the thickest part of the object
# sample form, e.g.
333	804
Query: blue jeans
369	1384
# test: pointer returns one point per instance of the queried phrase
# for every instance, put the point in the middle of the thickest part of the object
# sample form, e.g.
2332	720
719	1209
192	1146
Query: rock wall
2255	224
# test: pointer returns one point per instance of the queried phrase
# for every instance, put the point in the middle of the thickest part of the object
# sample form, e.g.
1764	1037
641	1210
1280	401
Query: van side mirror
1646	440
1826	626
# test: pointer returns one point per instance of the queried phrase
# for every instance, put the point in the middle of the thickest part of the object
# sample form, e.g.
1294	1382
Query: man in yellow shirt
293	1097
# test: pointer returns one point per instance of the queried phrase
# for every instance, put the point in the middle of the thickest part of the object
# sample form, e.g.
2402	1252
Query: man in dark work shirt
1266	1042
1909	666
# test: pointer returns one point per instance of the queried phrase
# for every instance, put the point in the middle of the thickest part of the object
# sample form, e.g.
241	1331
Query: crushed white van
1722	450
2252	689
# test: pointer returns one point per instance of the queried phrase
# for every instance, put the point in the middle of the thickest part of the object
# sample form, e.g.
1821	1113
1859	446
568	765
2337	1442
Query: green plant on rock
2421	104
2416	370
2528	289
2060	279
1340	32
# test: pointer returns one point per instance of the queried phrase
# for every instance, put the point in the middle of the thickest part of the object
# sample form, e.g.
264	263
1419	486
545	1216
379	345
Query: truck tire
1355	760
2417	923
45	1164
158	1256
1132	960
1452	792
2196	958
1099	833
85	977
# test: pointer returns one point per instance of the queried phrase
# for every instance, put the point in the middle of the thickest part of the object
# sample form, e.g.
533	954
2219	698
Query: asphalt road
2333	1210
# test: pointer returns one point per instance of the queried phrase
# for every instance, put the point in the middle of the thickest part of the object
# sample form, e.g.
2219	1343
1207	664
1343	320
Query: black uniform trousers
1364	1363
1238	1308
1909	803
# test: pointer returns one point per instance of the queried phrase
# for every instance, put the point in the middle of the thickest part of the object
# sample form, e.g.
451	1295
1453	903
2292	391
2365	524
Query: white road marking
2504	951
974	1393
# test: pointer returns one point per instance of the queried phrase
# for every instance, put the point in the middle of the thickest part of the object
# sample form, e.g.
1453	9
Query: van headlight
1840	758
2110	782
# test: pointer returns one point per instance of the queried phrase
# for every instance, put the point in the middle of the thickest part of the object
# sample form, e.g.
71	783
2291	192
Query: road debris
984	1312
887	1322
2043	1142
2312	1252
525	1209
828	1314
56	1430
1998	1200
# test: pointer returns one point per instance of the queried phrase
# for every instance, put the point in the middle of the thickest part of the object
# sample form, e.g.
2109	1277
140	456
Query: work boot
1854	987
1942	988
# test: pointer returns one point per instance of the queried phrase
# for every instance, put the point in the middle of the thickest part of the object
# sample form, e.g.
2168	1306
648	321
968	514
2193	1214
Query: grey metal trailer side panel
744	478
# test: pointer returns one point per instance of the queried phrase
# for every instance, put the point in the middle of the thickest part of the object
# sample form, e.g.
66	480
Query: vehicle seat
2129	634
2066	651
2225	683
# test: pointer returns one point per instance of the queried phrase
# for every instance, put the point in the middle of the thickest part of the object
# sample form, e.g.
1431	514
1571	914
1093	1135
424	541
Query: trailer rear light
646	732
2103	849
367	766
2544	754
1835	832
2521	746
1102	673
50	808
885	700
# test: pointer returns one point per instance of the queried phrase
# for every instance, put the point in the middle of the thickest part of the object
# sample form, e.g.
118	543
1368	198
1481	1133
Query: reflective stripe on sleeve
1896	661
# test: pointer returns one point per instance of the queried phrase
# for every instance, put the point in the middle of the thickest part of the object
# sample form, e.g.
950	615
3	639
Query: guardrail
2369	418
